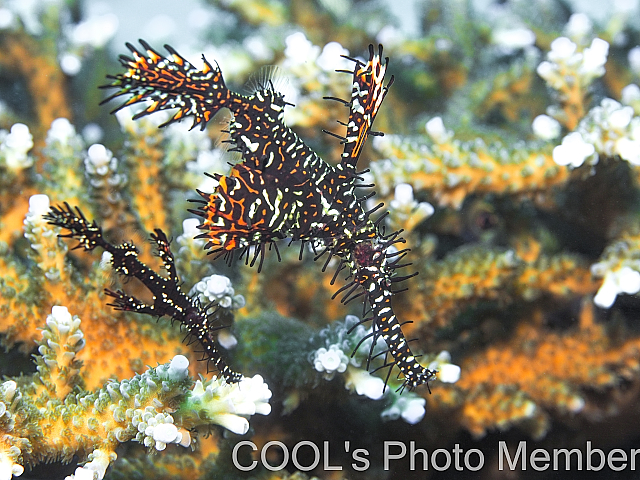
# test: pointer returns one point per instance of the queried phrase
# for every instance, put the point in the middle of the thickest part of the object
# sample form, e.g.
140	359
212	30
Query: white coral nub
190	227
299	49
608	129
227	404
61	316
625	280
332	58
61	131
594	58
566	64
217	288
165	433
8	468
364	383
407	209
629	150
14	148
99	160
330	360
410	407
38	206
574	151
96	468
63	335
546	127
403	195
178	368
436	130
578	27
447	371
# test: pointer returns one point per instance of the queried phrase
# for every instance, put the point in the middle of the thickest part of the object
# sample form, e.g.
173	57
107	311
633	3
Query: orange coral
453	170
539	371
118	345
444	287
144	160
470	275
41	72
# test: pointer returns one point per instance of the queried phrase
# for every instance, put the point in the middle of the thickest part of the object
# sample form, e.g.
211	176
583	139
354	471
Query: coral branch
43	418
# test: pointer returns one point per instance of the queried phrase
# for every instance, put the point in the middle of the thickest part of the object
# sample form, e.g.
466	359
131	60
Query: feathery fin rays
282	189
168	83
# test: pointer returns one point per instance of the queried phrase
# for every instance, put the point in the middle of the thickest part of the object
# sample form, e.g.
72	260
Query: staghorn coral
47	416
541	375
468	276
452	170
24	299
533	215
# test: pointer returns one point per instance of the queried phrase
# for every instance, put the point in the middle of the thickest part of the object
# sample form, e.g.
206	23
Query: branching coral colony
503	284
51	415
282	189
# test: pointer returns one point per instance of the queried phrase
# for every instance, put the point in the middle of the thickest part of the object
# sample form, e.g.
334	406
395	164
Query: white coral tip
39	204
607	293
98	155
233	423
256	390
578	26
410	408
217	285
630	94
545	70
96	468
82	473
436	130
227	340
414	411
61	130
449	373
178	368
299	49
594	58
629	150
186	438
61	314
546	127
625	280
331	360
166	433
332	57
629	280
403	193
561	49
70	63
634	59
19	140
60	319
573	151
364	383
8	468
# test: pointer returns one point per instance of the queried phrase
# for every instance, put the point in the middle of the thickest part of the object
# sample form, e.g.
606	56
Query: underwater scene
359	239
